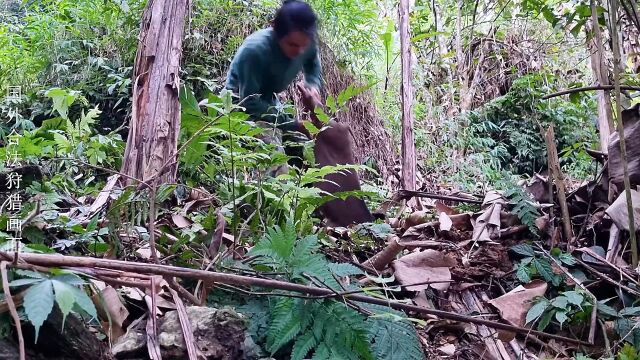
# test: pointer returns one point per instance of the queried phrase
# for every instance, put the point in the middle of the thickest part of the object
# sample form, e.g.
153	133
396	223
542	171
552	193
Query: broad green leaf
630	311
70	278
567	259
31	274
21	282
523	249
84	302
544	269
574	297
606	310
38	303
545	320
64	297
560	302
561	316
536	310
523	274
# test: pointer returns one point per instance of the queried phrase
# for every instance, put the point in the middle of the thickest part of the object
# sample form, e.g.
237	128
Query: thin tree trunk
155	123
601	75
408	144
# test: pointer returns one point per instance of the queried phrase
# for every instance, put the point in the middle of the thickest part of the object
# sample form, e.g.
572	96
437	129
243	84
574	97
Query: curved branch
590	88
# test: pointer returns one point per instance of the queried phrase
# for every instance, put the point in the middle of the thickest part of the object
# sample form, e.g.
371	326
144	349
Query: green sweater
261	69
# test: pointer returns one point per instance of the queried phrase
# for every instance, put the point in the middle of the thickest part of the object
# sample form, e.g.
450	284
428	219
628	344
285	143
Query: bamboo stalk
623	150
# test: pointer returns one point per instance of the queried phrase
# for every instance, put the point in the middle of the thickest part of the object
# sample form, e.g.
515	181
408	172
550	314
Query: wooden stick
589	88
623	151
558	178
380	260
12	308
210	276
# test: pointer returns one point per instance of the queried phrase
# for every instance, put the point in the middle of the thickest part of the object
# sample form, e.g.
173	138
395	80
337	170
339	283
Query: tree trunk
155	122
408	144
601	75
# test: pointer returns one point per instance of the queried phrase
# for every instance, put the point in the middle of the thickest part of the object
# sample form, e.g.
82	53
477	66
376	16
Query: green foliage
532	266
509	129
322	328
45	290
523	205
570	306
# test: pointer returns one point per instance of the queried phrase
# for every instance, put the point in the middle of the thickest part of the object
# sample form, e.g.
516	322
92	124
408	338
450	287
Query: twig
175	286
589	88
152	222
406	194
210	276
153	347
608	279
187	330
12	308
216	239
554	169
623	151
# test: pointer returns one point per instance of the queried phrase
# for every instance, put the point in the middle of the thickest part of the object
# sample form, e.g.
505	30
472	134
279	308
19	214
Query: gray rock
219	334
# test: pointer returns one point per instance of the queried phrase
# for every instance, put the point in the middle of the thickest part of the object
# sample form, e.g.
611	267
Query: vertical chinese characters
12	205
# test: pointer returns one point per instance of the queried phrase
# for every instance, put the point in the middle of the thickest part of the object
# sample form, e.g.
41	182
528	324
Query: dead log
74	341
155	121
408	143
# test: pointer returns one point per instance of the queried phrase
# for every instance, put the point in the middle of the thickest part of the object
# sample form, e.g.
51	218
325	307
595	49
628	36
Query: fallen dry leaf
428	265
448	349
514	305
180	221
116	309
416	218
619	213
442	208
445	222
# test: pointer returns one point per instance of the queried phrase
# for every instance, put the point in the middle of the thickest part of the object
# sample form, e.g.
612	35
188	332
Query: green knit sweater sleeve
312	69
249	71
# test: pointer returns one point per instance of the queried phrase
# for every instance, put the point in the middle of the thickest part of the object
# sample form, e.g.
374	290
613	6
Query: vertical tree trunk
408	144
155	123
601	74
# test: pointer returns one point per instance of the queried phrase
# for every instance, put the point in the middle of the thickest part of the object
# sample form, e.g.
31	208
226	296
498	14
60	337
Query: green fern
393	338
523	207
321	329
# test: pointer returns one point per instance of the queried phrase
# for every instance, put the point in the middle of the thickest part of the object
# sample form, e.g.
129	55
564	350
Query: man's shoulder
258	42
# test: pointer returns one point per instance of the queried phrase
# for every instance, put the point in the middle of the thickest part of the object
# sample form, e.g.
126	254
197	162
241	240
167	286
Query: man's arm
249	71
312	69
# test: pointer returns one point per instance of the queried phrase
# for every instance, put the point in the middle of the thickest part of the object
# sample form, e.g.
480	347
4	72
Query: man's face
294	44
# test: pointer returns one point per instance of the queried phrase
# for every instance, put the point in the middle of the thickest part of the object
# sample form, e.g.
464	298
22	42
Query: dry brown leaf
144	252
116	309
619	213
445	222
132	293
442	208
180	221
514	305
428	265
416	218
448	349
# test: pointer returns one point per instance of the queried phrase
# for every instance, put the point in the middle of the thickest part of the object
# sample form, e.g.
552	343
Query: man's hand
311	100
310	96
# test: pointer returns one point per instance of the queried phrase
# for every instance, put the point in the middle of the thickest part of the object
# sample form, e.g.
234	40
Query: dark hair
295	15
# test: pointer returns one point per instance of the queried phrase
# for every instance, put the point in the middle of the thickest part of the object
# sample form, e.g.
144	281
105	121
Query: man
268	61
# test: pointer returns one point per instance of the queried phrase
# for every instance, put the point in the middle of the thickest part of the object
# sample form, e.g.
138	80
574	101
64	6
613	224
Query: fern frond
392	338
303	345
283	322
322	353
344	269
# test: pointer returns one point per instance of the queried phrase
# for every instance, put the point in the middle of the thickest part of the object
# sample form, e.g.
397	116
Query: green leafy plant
44	291
324	327
568	306
533	266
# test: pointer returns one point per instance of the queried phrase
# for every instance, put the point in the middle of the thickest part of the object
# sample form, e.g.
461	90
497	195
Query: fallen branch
589	88
12	307
407	194
207	276
558	179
